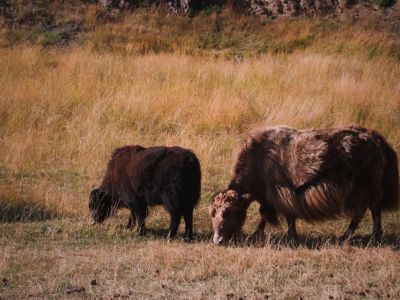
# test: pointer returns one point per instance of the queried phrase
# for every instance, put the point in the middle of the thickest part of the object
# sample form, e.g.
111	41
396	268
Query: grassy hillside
217	32
147	80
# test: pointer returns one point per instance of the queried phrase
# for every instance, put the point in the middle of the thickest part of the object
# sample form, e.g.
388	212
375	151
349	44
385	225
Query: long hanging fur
391	197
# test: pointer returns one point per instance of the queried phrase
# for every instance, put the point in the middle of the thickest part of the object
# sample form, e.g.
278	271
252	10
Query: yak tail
391	182
194	179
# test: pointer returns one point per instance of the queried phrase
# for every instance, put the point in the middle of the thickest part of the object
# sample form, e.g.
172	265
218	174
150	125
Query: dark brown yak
139	177
309	174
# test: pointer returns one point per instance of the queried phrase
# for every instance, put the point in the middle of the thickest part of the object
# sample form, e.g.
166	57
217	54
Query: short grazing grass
58	258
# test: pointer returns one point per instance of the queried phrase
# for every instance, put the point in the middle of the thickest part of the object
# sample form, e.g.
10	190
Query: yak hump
306	154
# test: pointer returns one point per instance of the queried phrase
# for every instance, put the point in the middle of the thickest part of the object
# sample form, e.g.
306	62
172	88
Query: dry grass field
62	111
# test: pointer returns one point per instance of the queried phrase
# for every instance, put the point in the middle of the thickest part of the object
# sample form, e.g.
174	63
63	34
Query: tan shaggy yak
314	174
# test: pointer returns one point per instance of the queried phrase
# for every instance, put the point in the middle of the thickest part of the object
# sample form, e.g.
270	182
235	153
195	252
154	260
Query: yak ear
94	194
93	198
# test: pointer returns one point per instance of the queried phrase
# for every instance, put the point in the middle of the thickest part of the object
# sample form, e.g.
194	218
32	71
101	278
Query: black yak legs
376	218
188	217
132	221
138	216
176	220
291	233
141	221
355	220
268	214
173	227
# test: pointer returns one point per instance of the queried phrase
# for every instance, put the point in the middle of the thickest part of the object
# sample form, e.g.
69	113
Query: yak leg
132	221
141	221
355	204
127	199
377	229
375	208
140	211
188	217
268	214
173	228
259	233
291	221
352	227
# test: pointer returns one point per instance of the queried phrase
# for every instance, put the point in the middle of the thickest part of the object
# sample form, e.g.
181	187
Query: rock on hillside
356	9
272	8
297	7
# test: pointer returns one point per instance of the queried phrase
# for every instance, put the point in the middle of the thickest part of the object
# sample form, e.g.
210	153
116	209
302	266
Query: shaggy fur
312	175
139	177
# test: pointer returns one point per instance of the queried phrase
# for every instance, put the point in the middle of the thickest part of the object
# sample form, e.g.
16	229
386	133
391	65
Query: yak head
100	205
228	213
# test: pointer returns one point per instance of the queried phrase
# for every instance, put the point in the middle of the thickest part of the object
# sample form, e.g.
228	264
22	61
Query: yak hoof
376	238
257	236
188	239
344	238
290	239
170	239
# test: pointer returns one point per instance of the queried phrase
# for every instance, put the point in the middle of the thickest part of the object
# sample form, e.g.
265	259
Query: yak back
339	154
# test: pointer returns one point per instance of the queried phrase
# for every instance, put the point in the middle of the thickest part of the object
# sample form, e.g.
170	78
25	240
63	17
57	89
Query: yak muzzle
218	240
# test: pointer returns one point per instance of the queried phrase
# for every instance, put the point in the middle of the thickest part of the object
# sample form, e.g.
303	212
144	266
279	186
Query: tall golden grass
62	112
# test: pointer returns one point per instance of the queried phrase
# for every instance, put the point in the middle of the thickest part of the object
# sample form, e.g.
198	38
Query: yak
138	177
311	174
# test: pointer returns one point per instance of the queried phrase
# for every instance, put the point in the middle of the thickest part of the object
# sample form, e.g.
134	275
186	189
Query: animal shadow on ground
24	211
318	242
280	241
162	233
